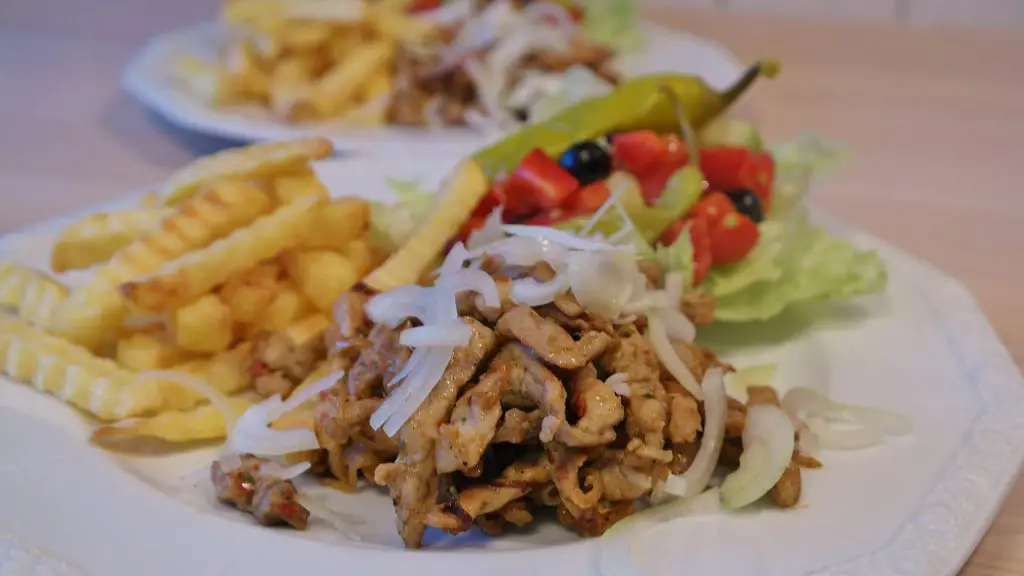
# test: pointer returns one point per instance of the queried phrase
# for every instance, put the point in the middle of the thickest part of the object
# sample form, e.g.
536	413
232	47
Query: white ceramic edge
233	126
948	523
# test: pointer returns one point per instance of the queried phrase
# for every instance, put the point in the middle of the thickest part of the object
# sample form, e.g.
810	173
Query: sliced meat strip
516	513
279	364
699	307
528	470
620	481
698	359
368	371
646	414
350	314
684	418
565	467
594	522
470	304
735	418
786	492
597	406
474	422
552	343
270	500
567	304
412	481
520	427
470	503
762	395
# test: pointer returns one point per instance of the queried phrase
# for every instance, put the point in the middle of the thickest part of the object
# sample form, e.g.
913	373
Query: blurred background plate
149	77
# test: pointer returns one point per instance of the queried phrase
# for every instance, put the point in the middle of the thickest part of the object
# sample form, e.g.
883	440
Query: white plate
149	77
912	506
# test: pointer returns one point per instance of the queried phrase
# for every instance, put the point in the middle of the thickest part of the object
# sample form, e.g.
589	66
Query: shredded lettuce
392	223
813	265
797	165
613	23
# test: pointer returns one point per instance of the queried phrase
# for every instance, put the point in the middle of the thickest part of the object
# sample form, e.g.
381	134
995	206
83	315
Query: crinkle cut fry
95	238
72	374
200	423
200	271
255	161
95	309
31	293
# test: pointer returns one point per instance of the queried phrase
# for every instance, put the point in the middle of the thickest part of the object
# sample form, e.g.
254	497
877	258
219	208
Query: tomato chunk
422	5
638	151
653	181
539	183
721	166
495	197
758	175
589	198
712	207
732	238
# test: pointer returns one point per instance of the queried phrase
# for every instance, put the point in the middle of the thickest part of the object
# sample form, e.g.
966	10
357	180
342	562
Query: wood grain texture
934	116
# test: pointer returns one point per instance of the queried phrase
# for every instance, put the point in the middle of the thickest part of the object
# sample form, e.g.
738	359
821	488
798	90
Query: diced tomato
422	5
700	240
653	181
676	151
539	183
588	199
495	197
758	175
636	152
721	166
712	207
732	238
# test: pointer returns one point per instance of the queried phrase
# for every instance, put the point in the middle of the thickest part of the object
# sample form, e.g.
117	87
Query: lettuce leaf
811	265
392	223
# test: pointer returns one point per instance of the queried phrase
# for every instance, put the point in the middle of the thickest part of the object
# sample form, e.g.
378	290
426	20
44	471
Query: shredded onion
658	336
530	292
696	477
403	402
455	259
520	251
471	280
799	401
603	282
394	306
619	383
539	11
768	445
305	393
678	327
557	236
200	386
490	232
453	334
252	434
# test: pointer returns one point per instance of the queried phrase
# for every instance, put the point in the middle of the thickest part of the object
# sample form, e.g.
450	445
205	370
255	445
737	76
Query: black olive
587	161
521	114
747	203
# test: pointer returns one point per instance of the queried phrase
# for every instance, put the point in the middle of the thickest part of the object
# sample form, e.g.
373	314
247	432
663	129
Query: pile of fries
238	244
306	60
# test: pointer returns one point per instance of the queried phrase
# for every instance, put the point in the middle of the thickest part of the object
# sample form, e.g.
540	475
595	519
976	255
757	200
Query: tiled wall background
1003	13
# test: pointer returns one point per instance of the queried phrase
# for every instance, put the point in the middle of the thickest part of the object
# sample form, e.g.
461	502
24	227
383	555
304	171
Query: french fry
227	373
201	423
246	69
339	223
361	255
203	325
72	374
141	352
298	36
95	310
302	415
206	80
288	188
287	306
377	86
32	294
291	89
253	161
249	294
96	237
200	271
307	329
397	24
322	275
338	87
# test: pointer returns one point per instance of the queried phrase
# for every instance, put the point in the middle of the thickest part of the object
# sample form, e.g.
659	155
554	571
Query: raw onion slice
800	401
392	415
768	443
657	334
252	435
467	280
455	259
529	292
833	438
678	327
560	237
619	383
697	476
540	11
603	282
394	306
451	334
490	232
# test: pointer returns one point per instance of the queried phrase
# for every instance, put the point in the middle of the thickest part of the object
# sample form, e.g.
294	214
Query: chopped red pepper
588	199
258	368
639	151
539	183
549	217
495	197
422	5
721	166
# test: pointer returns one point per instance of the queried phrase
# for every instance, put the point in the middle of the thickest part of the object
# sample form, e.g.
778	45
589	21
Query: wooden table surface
934	117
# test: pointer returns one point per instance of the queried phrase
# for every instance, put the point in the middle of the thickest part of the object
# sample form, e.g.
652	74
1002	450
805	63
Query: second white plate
149	77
